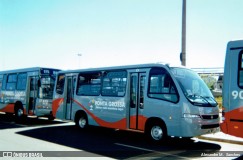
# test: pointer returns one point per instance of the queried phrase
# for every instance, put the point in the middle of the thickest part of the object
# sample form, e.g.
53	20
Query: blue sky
50	33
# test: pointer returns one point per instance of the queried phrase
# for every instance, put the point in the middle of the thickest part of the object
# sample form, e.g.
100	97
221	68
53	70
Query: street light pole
183	38
79	57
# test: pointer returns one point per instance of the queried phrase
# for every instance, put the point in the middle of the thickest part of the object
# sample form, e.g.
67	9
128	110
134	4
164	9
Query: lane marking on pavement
134	147
149	150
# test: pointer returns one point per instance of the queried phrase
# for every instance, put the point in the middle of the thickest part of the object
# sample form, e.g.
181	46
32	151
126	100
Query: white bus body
152	98
233	89
27	91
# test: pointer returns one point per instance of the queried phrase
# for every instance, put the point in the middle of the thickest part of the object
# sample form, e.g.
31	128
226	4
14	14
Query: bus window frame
104	77
22	87
44	88
1	81
172	83
240	69
11	81
4	82
79	84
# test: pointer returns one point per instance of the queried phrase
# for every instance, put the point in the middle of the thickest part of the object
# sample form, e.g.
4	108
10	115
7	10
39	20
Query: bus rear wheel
81	121
19	114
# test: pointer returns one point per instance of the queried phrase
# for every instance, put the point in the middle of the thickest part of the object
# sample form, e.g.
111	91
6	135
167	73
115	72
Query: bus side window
133	92
1	80
161	85
4	82
11	82
114	83
89	84
60	83
240	70
22	80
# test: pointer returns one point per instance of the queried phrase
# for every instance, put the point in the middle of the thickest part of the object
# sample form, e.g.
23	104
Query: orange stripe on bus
9	108
140	120
55	105
233	123
121	124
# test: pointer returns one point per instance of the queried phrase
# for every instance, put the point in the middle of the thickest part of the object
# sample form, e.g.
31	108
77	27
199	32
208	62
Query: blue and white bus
156	99
233	90
27	91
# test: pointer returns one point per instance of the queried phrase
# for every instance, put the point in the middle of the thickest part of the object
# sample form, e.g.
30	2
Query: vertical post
183	38
79	57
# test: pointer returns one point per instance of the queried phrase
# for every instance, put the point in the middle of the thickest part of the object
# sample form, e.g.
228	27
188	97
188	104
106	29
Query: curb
220	140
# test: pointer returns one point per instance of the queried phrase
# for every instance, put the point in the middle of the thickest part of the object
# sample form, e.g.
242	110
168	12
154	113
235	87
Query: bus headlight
188	115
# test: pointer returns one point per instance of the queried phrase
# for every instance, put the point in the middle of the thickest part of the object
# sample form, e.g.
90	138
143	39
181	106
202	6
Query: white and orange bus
27	91
156	99
233	90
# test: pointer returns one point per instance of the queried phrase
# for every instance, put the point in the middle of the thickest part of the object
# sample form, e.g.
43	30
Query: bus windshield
194	87
46	87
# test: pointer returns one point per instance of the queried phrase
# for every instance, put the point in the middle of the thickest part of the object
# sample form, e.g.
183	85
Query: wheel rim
156	133
20	112
82	122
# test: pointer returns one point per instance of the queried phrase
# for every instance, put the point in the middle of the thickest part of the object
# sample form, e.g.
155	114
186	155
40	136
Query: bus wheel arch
155	129
81	119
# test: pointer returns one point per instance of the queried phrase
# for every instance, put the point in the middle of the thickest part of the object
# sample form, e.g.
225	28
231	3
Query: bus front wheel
156	132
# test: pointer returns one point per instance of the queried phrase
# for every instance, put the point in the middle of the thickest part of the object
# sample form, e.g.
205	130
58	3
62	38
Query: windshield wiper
207	97
204	98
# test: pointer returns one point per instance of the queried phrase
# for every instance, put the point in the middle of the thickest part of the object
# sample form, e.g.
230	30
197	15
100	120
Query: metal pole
79	57
183	40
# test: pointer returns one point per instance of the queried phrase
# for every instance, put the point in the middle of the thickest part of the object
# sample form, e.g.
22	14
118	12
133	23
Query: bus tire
81	120
19	112
156	132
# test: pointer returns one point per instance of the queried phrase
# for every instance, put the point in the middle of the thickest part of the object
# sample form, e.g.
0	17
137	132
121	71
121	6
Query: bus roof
31	69
233	45
136	66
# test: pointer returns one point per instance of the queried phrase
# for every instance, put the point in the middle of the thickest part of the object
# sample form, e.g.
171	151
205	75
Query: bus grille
210	116
209	126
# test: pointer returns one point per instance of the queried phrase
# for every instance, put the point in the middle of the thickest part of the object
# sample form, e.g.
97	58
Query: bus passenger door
69	97
31	95
137	91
